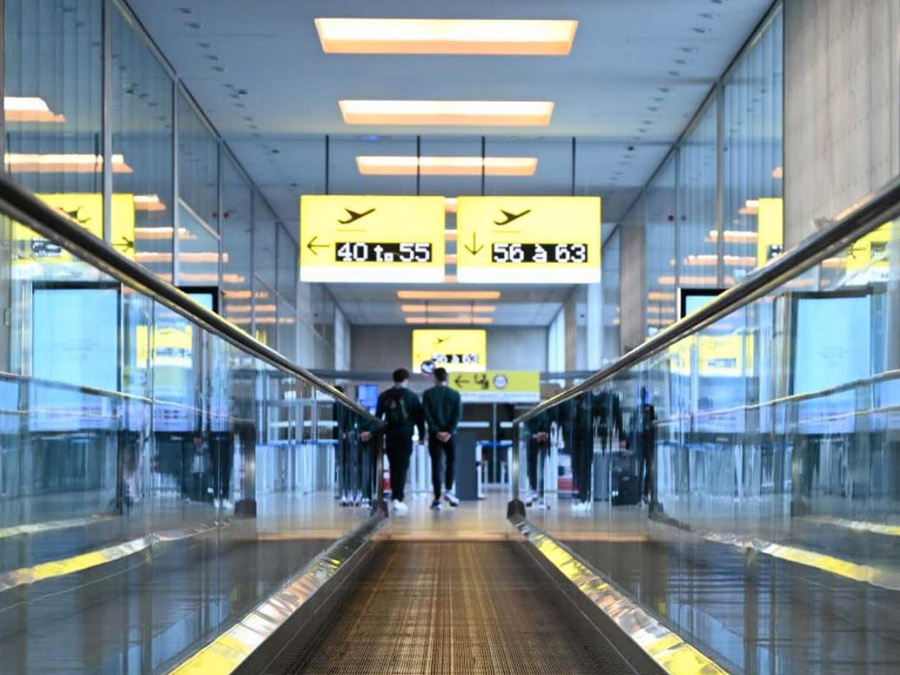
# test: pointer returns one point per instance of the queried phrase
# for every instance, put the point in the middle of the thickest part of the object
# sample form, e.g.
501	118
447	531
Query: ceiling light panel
446	36
448	309
29	109
448	295
448	113
445	166
449	320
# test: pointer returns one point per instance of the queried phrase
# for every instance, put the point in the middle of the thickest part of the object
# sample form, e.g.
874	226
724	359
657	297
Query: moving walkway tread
453	607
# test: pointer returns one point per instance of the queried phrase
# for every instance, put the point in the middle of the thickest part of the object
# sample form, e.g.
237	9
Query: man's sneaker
451	498
541	503
581	507
531	499
436	505
400	508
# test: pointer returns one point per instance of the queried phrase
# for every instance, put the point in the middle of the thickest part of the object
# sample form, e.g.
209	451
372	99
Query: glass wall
764	450
714	211
177	202
145	463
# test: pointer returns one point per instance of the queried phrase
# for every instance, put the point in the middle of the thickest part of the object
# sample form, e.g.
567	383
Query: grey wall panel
632	289
842	106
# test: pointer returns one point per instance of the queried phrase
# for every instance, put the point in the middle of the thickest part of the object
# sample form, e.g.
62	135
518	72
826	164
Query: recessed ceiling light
461	319
445	166
446	36
148	203
445	309
29	109
448	113
448	295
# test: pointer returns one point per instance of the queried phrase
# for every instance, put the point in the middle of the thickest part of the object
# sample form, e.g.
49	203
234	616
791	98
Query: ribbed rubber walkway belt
461	608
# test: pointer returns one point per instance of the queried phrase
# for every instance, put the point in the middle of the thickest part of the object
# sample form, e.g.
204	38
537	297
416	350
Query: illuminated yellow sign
85	209
771	229
871	251
493	386
528	240
726	355
460	351
372	239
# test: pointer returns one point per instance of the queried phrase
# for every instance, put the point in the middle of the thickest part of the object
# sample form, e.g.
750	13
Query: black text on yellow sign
456	350
511	386
371	239
528	240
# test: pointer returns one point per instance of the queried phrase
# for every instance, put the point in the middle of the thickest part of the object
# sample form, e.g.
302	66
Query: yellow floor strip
877	576
84	561
49	526
670	651
858	525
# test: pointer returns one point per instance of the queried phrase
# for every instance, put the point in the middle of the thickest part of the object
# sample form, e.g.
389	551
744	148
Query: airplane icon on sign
440	341
354	216
510	217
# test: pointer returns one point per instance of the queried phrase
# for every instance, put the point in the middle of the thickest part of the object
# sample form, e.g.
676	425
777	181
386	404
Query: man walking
402	413
443	411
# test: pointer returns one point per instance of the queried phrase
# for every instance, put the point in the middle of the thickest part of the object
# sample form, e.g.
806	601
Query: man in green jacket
443	411
402	414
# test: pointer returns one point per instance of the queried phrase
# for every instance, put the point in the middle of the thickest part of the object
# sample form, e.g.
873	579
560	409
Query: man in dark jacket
538	429
402	414
443	411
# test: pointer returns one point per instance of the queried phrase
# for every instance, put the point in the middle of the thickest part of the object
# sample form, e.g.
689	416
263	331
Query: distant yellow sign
770	242
726	355
495	386
528	240
457	350
371	239
86	209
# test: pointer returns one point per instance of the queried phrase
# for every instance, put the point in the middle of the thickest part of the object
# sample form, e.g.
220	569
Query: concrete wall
842	106
384	348
632	285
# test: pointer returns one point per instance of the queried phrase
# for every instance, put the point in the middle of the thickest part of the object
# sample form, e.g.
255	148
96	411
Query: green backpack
395	412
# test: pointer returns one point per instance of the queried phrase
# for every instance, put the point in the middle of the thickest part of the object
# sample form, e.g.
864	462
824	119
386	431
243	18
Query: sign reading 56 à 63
528	240
370	239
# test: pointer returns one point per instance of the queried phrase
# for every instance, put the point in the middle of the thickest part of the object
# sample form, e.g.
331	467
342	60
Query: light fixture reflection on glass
148	203
778	172
450	206
734	236
29	109
446	36
448	113
750	208
61	163
163	232
384	165
183	256
461	319
448	295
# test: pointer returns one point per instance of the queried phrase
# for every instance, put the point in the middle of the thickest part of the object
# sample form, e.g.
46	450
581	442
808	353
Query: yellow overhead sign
771	229
371	239
86	209
528	240
494	386
457	350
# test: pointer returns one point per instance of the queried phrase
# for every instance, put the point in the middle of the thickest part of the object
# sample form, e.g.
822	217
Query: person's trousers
399	450
582	469
438	449
367	478
535	464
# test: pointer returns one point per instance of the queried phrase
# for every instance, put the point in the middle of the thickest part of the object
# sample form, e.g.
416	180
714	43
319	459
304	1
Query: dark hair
400	375
440	374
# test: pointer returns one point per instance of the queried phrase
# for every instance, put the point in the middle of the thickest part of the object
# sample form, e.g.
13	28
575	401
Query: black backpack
395	413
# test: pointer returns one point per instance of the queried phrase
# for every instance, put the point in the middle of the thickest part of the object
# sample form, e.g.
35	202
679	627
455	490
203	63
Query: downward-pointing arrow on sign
312	245
475	248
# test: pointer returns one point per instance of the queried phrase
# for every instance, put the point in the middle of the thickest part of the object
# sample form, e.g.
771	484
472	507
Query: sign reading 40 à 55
370	239
528	240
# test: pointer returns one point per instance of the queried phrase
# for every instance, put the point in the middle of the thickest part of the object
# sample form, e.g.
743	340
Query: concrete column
842	106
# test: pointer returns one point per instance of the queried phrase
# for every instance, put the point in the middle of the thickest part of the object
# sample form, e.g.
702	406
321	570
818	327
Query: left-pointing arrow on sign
312	245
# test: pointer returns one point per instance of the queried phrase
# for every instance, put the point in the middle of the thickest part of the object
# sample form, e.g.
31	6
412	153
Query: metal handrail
873	211
24	207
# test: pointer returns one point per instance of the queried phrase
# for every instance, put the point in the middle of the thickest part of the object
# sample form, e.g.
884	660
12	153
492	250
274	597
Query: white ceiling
637	72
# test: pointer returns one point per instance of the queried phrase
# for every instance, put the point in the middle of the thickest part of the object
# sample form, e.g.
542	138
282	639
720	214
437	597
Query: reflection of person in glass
367	462
644	430
538	428
347	457
582	438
